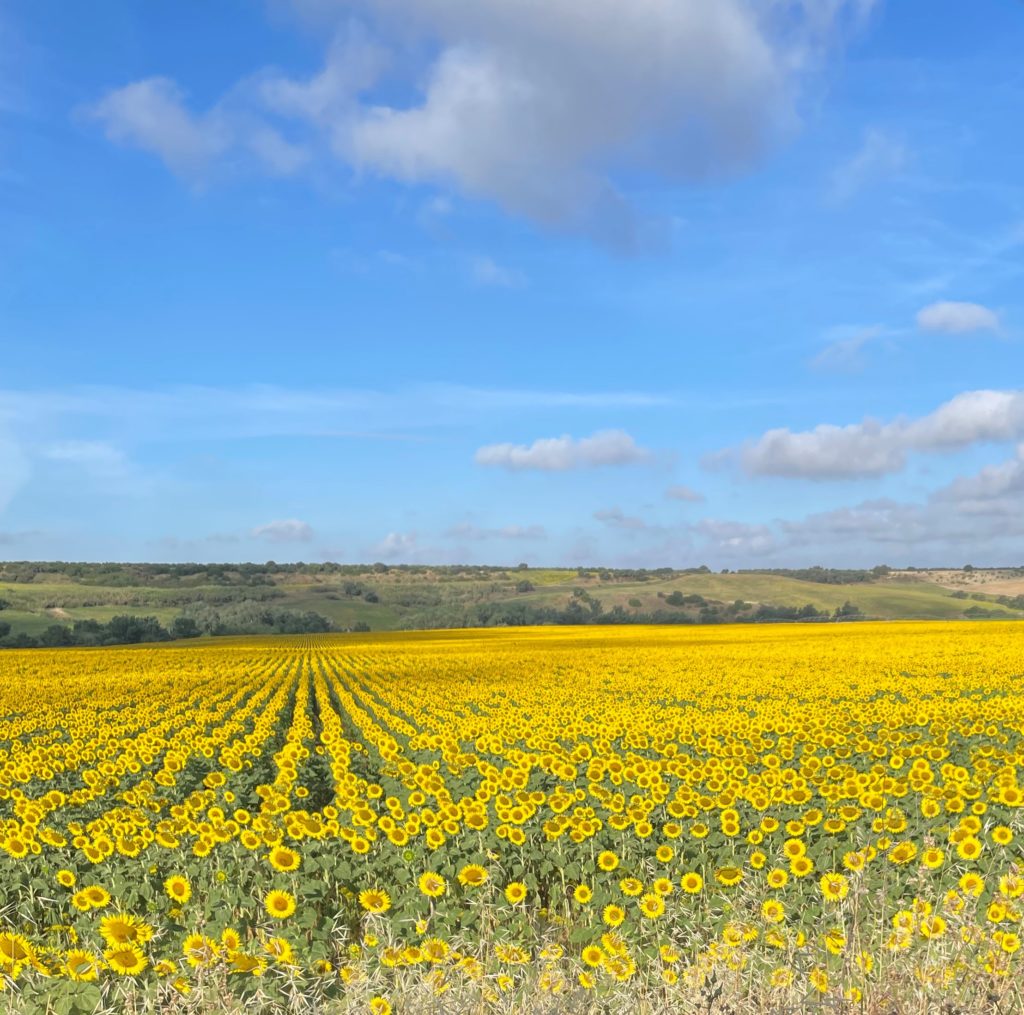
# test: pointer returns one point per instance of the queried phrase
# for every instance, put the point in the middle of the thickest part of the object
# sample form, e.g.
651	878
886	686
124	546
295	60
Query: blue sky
658	283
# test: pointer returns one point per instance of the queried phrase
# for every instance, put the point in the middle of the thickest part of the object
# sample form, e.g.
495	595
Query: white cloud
466	530
559	454
826	452
735	538
486	271
684	493
879	157
151	115
396	544
872	448
969	418
527	103
953	318
979	517
286	530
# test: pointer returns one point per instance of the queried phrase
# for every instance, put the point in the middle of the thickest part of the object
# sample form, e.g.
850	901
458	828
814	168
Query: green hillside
36	596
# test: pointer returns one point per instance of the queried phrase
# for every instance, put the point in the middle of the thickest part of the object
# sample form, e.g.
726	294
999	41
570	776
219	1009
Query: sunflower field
759	818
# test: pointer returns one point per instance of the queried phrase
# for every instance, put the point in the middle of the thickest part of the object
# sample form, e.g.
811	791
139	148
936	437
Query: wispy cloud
844	352
955	318
560	454
269	410
466	530
684	493
285	530
486	271
879	157
616	518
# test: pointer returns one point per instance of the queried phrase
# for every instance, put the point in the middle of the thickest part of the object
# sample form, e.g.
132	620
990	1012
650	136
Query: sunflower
432	885
515	892
122	928
472	875
834	887
81	902
777	878
1001	835
592	956
96	896
375	900
613	915
178	888
199	950
230	939
435	950
283	859
773	911
781	977
801	866
729	876
835	941
652	905
664	853
631	887
793	848
280	951
66	879
691	883
818	979
126	959
932	926
280	905
854	860
972	884
15	951
1010	942
902	853
969	848
380	1006
932	858
663	886
583	894
81	966
607	860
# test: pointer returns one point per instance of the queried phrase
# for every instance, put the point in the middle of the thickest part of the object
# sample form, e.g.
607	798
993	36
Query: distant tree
360	627
524	586
370	596
635	603
20	640
5	629
968	568
675	598
847	611
184	627
56	636
522	566
4	604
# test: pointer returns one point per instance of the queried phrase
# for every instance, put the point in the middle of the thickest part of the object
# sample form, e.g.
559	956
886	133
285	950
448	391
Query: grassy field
397	598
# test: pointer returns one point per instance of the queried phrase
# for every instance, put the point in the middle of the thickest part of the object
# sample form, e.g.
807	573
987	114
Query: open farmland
533	819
